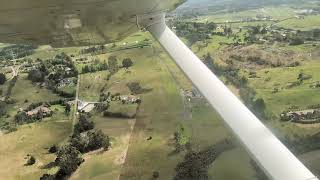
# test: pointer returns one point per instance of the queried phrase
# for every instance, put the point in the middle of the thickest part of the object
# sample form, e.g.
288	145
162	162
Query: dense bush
296	41
68	159
127	62
136	88
90	141
3	108
196	164
3	78
36	75
83	125
194	31
21	118
16	51
113	64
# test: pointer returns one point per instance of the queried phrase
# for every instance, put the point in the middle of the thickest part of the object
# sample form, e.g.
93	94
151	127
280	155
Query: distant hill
232	5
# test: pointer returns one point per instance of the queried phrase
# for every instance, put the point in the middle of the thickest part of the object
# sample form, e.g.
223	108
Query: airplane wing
73	22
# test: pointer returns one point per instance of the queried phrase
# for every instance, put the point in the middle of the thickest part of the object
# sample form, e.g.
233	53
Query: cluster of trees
90	140
68	160
112	65
84	139
196	164
194	31
96	66
232	74
54	70
93	49
16	51
255	33
22	118
83	125
136	88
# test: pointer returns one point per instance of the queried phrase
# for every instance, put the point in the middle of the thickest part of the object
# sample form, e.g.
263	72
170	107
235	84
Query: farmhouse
41	110
309	115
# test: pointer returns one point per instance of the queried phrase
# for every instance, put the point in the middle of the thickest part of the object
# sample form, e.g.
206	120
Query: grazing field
33	139
307	23
301	96
107	165
91	85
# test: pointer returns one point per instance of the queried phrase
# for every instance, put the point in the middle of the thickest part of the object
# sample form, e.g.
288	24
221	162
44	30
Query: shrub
31	161
53	149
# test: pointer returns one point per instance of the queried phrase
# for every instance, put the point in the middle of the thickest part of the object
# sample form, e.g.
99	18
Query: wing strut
271	155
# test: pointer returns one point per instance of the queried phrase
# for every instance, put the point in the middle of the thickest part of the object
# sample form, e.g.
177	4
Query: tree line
84	139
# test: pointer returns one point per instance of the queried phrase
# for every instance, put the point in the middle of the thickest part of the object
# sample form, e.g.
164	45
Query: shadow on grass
49	165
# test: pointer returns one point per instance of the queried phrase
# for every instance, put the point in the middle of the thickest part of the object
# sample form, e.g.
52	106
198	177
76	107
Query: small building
83	106
129	99
65	82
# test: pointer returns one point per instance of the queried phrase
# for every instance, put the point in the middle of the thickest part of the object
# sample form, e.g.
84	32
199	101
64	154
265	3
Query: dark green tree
83	125
31	161
3	78
36	75
68	159
127	62
67	109
3	108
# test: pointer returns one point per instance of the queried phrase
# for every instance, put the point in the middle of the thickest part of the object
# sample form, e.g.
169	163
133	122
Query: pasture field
34	139
161	114
301	96
277	13
24	93
107	165
307	23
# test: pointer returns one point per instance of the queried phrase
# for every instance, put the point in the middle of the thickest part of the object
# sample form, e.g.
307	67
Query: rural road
75	107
